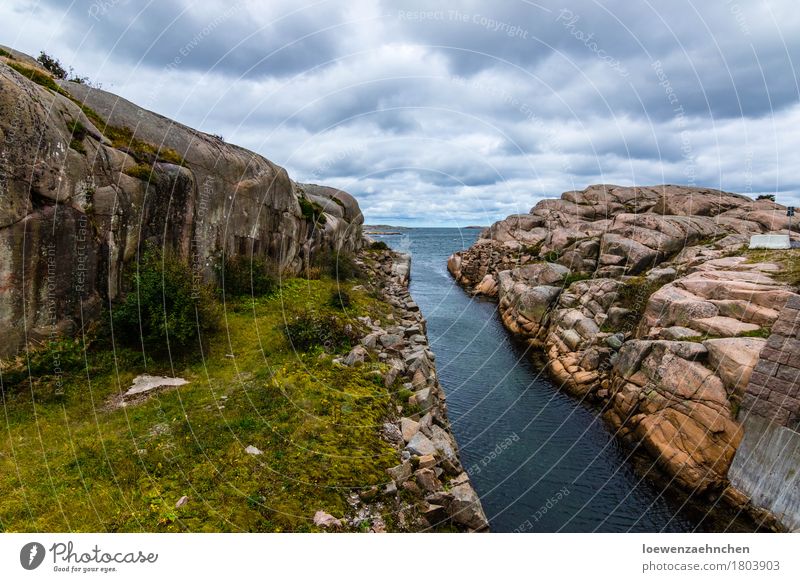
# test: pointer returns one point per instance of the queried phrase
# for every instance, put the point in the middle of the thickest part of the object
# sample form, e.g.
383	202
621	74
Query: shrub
78	132
311	211
310	330
244	275
166	303
379	245
766	197
53	65
6	54
340	300
341	266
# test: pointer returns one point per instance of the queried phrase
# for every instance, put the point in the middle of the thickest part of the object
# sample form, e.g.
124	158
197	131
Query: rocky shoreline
645	304
428	490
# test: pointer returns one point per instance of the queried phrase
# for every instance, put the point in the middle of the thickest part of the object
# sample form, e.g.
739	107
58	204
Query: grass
74	464
789	260
6	54
38	77
141	171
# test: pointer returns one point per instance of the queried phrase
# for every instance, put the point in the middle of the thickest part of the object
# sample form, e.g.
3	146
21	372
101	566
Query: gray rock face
74	214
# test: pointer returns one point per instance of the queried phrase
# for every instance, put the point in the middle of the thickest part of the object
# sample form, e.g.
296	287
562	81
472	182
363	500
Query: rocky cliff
646	302
86	178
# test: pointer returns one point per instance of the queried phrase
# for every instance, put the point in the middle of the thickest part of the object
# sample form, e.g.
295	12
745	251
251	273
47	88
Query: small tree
53	65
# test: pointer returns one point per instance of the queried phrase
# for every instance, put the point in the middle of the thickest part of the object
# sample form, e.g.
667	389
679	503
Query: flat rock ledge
428	489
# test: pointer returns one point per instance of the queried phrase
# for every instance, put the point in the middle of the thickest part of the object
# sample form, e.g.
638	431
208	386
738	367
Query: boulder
733	360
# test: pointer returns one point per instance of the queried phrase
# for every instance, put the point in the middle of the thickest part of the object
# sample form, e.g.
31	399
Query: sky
457	113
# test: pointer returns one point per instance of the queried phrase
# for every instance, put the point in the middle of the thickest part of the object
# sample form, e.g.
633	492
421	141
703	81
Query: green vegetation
38	77
633	294
52	65
379	245
78	132
6	54
551	256
574	277
789	260
141	171
167	309
340	299
82	464
311	330
242	276
766	197
339	265
311	211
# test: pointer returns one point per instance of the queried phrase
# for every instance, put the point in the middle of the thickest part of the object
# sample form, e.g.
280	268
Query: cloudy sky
433	115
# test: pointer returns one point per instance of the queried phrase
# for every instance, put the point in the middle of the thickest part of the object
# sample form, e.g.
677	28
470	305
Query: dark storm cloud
435	113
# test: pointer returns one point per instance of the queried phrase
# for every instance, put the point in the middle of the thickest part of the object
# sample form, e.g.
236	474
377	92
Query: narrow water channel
540	460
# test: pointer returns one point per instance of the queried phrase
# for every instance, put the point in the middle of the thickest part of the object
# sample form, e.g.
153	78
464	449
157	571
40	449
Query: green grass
789	260
74	463
141	171
38	77
6	54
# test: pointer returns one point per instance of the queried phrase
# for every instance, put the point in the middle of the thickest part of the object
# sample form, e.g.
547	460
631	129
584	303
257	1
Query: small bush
341	266
310	330
311	211
248	276
379	245
78	132
6	54
167	302
340	300
53	65
766	197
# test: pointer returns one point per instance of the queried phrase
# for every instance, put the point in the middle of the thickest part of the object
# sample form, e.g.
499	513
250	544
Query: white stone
146	383
770	241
